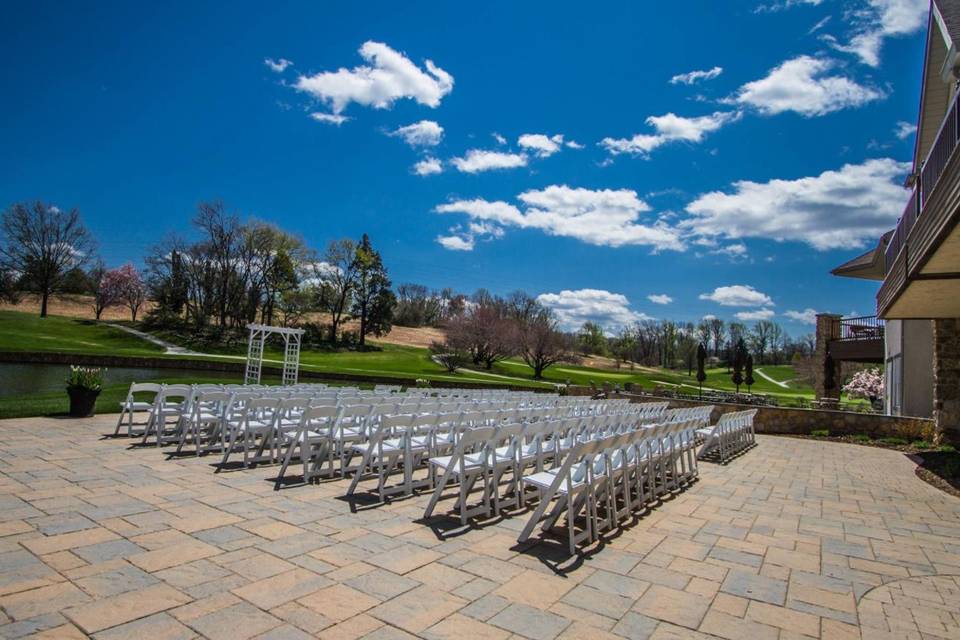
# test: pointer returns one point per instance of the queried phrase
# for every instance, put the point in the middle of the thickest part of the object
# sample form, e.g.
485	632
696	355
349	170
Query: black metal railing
930	171
861	328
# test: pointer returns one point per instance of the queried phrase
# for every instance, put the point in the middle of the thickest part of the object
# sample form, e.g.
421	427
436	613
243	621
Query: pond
17	379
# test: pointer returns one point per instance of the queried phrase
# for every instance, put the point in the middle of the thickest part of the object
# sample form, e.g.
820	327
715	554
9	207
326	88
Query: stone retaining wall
803	421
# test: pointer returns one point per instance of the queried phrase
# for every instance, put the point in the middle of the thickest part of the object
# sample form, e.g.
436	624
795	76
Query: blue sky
732	191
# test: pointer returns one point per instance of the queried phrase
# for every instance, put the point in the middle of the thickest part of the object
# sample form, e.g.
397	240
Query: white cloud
904	130
669	128
694	77
840	209
774	7
277	66
573	144
603	217
540	144
388	76
425	133
807	316
456	243
428	166
499	138
329	118
738	295
573	308
820	25
803	85
878	20
758	314
736	251
659	298
478	160
709	316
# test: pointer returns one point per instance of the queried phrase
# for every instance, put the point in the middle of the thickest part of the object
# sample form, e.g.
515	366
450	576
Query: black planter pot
82	401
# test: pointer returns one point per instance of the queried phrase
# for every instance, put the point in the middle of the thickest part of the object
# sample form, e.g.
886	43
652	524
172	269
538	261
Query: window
893	385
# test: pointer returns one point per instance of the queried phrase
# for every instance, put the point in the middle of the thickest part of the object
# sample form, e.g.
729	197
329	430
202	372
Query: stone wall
946	379
803	421
828	328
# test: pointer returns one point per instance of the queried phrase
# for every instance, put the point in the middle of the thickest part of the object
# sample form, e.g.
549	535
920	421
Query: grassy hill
27	332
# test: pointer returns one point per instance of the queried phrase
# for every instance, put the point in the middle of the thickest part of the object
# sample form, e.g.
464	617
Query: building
918	262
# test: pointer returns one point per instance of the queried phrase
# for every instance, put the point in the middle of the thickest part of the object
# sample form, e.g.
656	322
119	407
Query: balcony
927	222
857	339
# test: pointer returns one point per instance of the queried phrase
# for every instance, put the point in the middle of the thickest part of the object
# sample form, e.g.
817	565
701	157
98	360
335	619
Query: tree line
230	272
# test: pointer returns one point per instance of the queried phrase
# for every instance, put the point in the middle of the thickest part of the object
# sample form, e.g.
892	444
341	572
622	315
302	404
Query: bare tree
222	238
101	297
717	330
42	243
336	276
541	344
484	332
760	338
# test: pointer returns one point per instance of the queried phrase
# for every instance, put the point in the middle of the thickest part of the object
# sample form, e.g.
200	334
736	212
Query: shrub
820	433
450	358
892	441
422	383
86	378
921	444
861	438
628	386
867	384
947	448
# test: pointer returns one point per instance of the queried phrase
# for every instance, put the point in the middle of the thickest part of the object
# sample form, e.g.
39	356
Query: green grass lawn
27	332
648	378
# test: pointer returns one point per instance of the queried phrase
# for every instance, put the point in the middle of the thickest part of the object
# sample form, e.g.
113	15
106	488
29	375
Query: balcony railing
861	328
930	172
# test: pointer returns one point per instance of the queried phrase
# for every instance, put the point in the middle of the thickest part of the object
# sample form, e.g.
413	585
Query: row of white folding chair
512	447
405	439
173	403
353	420
607	479
701	413
732	433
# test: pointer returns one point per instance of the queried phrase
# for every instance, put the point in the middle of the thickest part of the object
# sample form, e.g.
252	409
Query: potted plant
83	386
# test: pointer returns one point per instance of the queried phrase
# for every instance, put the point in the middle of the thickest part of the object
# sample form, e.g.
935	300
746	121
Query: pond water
20	379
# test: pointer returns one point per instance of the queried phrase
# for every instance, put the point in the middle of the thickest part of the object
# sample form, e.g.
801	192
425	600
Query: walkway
794	539
760	373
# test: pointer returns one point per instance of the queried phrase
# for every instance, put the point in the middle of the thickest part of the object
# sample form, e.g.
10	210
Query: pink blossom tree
124	286
867	384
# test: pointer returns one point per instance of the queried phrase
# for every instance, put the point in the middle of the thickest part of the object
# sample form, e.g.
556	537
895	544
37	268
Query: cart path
169	347
760	373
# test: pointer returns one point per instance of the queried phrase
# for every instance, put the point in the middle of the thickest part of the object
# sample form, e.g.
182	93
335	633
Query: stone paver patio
794	539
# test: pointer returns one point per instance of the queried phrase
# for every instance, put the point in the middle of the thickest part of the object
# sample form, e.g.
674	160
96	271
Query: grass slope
28	332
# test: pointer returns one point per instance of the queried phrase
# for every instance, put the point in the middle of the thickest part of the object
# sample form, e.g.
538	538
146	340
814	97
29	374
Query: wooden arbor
291	352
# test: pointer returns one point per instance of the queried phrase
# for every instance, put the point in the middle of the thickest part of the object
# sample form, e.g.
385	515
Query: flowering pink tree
124	286
867	384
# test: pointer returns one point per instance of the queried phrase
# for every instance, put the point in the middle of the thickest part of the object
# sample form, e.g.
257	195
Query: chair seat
444	461
136	406
303	437
545	479
705	431
387	447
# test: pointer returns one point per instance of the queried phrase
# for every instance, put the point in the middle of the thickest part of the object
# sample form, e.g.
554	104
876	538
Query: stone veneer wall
827	328
946	379
802	421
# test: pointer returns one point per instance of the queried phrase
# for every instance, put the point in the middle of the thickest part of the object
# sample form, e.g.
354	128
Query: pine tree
373	301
